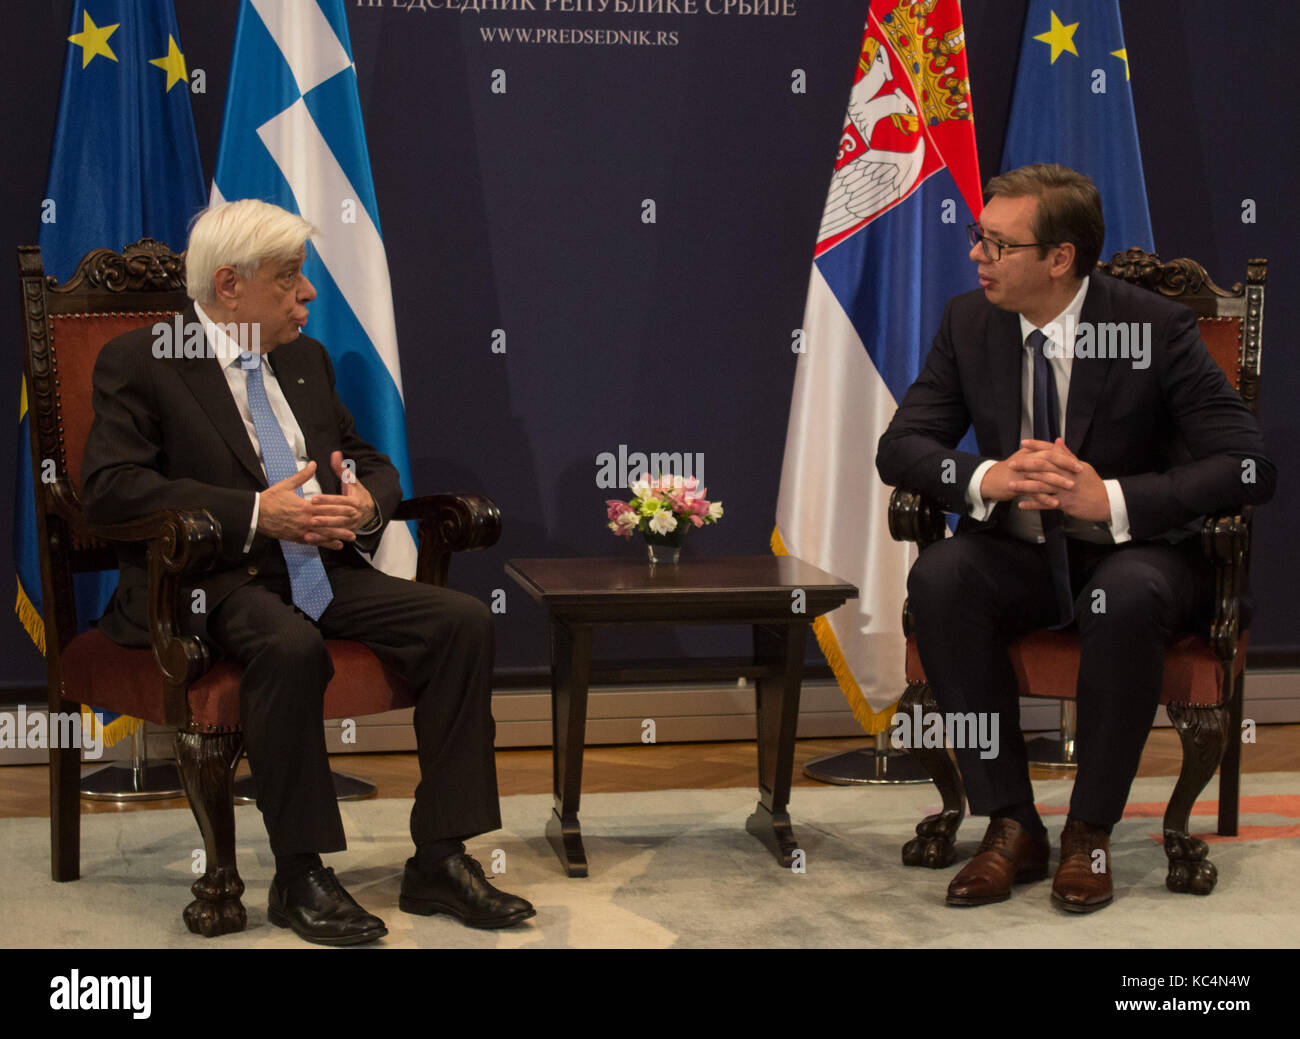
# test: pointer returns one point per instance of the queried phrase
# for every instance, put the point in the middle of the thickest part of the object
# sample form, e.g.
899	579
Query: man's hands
1050	477
326	520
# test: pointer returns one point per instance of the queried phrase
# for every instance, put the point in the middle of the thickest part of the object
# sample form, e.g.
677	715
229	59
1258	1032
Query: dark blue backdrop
522	211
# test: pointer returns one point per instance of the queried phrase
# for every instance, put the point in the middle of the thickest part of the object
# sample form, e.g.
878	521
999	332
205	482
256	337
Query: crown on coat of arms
927	60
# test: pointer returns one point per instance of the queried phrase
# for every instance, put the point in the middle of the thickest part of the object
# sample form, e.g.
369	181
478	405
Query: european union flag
125	164
1073	105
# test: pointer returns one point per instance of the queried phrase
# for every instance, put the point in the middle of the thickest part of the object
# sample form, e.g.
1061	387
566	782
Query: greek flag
293	135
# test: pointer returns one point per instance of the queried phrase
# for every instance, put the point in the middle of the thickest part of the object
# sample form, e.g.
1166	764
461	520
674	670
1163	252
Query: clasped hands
1049	476
326	520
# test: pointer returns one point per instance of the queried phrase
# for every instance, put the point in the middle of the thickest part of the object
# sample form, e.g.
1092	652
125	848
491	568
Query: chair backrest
64	327
1231	320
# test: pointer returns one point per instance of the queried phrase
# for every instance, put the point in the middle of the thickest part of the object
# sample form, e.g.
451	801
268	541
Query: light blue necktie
307	580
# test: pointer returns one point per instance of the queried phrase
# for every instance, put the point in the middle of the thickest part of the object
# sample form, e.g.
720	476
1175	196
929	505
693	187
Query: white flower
663	522
715	510
640	487
626	521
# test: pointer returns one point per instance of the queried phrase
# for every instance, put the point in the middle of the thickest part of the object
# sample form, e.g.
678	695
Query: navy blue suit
1175	434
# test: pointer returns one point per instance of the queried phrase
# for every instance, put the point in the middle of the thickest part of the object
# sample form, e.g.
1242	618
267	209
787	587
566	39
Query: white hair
243	234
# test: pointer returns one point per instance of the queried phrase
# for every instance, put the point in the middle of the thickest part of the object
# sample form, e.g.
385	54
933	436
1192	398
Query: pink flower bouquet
663	508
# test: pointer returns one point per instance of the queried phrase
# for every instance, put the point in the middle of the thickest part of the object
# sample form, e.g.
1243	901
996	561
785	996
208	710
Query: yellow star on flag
173	64
93	39
1123	56
1060	38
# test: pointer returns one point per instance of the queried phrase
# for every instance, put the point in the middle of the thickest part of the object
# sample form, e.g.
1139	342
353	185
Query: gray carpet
676	869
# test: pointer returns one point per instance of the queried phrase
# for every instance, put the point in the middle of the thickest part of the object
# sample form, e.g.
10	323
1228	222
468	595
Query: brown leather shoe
1007	855
1082	882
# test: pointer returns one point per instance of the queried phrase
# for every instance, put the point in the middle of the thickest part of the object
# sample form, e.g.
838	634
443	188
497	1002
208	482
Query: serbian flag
891	251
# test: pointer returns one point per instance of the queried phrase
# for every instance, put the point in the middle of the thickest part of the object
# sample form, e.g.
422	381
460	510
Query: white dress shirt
1027	523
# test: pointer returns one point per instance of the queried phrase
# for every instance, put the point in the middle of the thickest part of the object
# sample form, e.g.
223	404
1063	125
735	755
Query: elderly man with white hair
251	429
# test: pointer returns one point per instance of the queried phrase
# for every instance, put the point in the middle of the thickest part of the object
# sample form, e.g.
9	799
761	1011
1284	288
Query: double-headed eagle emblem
875	178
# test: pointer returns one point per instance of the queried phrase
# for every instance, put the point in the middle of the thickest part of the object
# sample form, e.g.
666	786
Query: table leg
777	701
570	676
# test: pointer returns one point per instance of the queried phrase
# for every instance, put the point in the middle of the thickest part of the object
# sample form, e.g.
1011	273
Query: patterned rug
676	868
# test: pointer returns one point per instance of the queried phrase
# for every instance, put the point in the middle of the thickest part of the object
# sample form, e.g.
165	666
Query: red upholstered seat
1047	664
103	672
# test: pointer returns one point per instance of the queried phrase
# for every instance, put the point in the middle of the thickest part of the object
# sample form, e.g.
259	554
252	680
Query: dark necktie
307	580
1047	427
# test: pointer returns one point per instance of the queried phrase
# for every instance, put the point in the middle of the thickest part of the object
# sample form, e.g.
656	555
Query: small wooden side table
779	596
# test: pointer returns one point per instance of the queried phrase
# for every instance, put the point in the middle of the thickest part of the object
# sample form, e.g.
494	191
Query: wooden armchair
174	682
1202	687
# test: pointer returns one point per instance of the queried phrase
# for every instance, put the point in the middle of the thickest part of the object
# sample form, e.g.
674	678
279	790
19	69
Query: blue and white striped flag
293	135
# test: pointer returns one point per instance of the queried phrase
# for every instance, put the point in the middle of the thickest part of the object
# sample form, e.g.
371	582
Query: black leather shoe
457	886
319	910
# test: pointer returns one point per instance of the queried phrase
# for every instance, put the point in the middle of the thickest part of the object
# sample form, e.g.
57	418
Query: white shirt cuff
980	509
252	527
374	524
1118	512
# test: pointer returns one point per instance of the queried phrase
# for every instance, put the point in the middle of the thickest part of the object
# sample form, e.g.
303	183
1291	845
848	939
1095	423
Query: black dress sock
290	867
1025	814
1096	826
429	854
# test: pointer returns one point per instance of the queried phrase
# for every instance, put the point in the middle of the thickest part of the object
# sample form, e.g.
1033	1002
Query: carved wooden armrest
181	544
449	523
1225	540
914	516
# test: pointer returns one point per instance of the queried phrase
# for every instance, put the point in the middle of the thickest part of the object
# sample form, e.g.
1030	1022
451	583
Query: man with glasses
1091	475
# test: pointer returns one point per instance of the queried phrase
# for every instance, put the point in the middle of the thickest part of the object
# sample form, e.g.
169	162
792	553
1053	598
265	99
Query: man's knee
472	619
451	616
299	649
943	575
1131	600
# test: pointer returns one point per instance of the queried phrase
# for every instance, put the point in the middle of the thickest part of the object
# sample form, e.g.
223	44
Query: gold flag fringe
30	619
872	722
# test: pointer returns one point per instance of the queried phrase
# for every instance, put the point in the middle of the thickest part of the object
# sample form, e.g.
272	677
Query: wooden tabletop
628	585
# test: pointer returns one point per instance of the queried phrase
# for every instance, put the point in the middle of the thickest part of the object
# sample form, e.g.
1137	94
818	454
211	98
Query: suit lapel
207	381
1087	374
297	383
1006	364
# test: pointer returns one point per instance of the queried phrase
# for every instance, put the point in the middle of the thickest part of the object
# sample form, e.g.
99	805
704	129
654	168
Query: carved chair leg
1230	767
207	767
934	845
1204	732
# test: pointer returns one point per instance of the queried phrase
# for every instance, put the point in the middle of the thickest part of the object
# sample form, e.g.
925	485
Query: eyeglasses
991	247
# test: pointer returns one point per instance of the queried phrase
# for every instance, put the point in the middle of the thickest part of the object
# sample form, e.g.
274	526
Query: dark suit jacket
1174	434
167	434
